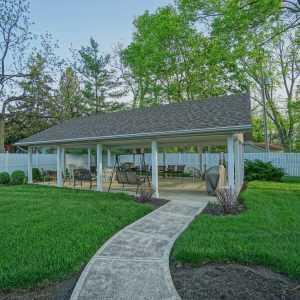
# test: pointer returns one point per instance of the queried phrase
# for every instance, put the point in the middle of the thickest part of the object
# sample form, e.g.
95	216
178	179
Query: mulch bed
216	210
56	291
232	281
155	202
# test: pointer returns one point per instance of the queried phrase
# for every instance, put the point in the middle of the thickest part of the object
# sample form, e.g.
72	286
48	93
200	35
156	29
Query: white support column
29	165
63	169
200	151
89	158
230	152
242	162
155	168
236	164
59	181
99	187
108	157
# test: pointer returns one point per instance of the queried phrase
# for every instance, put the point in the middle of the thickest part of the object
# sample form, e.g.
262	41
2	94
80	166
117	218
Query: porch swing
126	176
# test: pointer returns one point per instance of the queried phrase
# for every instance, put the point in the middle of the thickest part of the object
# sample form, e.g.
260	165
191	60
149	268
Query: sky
73	22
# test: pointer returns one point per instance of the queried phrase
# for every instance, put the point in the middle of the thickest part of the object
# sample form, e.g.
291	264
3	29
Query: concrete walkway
134	264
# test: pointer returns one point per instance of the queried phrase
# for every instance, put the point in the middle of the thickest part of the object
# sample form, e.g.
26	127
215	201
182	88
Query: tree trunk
2	131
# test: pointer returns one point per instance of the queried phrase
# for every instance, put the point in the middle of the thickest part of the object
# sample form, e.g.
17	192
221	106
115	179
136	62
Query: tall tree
28	117
14	35
98	78
69	97
173	62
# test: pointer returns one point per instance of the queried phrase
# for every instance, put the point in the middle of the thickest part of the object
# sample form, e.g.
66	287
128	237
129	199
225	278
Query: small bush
17	177
226	199
145	195
36	174
4	178
259	170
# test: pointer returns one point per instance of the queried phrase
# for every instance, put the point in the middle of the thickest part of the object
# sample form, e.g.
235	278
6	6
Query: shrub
17	177
4	178
145	195
36	174
226	199
259	170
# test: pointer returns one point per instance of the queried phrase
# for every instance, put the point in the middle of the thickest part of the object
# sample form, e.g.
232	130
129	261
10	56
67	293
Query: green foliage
70	96
173	62
36	174
4	178
98	79
259	170
49	234
17	177
266	233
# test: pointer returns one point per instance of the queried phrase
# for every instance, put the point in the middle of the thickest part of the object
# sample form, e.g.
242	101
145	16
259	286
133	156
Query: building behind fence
290	162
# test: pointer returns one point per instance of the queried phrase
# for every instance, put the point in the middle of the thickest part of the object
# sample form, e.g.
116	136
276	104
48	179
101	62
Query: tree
14	35
28	117
274	70
69	97
129	83
172	62
230	17
98	78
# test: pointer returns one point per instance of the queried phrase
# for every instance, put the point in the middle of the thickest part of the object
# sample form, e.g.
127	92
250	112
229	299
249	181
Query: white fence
10	162
290	162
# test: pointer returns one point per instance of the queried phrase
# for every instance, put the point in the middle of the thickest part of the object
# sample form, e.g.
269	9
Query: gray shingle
226	111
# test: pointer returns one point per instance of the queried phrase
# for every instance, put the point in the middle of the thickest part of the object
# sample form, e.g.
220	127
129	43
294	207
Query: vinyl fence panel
290	162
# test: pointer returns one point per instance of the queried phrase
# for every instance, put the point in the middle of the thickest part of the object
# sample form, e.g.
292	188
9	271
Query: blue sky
75	21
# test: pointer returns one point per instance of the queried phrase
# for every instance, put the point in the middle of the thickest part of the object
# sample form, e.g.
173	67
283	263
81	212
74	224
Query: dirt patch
56	291
216	209
232	281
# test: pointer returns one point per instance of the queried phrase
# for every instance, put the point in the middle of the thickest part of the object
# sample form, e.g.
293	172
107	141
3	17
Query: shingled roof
213	114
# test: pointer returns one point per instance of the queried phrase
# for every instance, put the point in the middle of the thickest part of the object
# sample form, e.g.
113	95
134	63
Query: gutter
215	130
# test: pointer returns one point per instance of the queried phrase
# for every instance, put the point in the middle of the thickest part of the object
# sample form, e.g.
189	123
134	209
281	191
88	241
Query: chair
49	175
171	170
82	175
180	170
162	170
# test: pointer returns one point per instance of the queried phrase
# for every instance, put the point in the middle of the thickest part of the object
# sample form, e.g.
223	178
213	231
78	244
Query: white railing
290	162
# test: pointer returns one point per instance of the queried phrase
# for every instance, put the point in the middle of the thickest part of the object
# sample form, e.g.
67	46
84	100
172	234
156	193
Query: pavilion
214	121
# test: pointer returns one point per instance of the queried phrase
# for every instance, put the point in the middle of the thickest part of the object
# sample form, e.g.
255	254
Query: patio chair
162	170
180	170
49	175
82	175
93	170
171	170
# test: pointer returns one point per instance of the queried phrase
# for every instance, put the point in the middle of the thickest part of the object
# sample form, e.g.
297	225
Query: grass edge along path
267	233
48	234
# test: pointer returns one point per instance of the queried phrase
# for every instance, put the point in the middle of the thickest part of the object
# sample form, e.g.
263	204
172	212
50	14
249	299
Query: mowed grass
46	234
267	233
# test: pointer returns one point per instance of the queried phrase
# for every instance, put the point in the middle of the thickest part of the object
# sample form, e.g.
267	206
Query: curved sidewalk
134	263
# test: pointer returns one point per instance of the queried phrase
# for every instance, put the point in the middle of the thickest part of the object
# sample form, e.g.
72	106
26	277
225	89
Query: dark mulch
216	210
155	202
232	281
56	291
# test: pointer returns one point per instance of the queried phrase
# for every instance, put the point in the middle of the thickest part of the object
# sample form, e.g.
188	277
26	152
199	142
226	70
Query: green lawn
47	233
267	233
